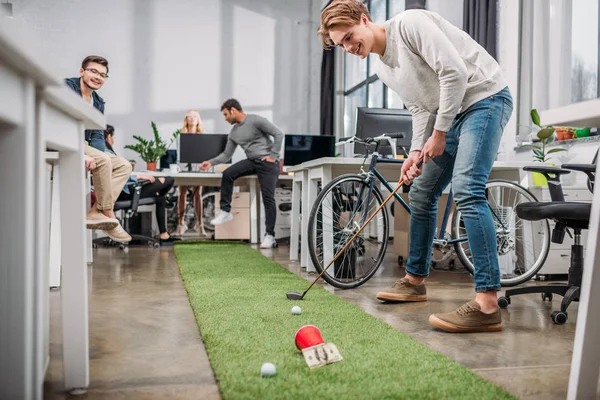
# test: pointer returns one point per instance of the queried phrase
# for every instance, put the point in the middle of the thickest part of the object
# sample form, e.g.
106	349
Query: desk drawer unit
239	227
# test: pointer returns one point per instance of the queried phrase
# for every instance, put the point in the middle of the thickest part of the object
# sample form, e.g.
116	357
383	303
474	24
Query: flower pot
564	133
539	179
151	166
582	132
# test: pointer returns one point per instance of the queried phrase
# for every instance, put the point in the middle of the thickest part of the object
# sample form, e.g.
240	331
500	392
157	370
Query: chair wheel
156	245
94	245
559	317
400	260
122	247
546	296
503	302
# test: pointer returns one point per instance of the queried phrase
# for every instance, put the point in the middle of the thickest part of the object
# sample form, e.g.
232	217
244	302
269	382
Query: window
376	90
356	99
355	71
361	86
584	45
559	57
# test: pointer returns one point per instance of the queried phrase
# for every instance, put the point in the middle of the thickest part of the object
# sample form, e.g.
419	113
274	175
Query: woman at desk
191	124
156	188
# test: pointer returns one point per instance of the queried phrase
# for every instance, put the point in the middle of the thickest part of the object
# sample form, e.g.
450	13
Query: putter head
294	295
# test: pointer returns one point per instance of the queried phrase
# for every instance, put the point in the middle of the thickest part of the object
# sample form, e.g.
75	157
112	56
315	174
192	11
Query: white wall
167	56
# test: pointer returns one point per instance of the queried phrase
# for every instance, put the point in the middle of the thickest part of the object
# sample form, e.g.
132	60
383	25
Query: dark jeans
158	190
268	175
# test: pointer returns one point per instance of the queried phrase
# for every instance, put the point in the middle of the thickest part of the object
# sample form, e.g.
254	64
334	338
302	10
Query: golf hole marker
314	349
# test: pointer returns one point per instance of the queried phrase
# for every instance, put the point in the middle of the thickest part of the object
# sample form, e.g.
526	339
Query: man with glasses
110	172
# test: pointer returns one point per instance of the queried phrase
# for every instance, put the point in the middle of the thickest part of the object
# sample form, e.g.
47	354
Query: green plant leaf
535	117
545	133
556	150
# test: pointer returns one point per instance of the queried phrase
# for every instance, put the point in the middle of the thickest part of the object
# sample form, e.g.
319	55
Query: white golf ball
296	310
267	369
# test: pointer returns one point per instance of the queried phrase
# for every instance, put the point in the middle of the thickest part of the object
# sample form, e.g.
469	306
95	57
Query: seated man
109	172
157	188
252	133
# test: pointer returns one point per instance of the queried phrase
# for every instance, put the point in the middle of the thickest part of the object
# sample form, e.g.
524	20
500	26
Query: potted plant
546	135
564	133
152	150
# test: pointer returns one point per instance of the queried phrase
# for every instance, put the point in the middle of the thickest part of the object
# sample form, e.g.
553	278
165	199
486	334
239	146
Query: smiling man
109	172
460	105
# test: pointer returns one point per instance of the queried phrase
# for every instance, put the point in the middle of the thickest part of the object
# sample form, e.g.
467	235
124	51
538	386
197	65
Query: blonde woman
192	124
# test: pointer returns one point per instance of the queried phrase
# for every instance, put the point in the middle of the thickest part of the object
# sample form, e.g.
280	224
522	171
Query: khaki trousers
109	177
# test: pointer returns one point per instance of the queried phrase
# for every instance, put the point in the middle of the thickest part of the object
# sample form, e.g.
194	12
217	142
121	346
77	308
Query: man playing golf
460	105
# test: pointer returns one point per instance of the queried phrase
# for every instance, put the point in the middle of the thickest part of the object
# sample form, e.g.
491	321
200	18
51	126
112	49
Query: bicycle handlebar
376	139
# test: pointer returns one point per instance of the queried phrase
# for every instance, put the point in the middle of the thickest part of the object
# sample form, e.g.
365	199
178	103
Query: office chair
573	215
130	207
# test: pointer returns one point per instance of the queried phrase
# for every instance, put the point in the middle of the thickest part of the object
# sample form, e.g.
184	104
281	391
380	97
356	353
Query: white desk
308	175
585	364
37	112
214	179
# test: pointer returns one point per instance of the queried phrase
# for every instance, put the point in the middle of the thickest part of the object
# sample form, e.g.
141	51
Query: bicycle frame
373	172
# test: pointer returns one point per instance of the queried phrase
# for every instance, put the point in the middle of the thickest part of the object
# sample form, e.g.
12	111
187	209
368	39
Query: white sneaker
223	217
268	242
181	229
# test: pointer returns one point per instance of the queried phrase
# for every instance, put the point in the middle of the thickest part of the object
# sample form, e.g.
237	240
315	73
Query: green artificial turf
244	317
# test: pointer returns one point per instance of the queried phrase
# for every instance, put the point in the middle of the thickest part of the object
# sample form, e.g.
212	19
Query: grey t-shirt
253	135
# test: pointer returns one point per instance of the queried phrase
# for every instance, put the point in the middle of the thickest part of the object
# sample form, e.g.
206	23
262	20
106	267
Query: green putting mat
245	320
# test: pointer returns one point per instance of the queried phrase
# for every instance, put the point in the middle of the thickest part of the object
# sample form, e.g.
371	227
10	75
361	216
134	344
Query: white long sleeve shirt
437	69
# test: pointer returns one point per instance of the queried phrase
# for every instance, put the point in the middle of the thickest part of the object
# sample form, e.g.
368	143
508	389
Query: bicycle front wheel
522	245
342	207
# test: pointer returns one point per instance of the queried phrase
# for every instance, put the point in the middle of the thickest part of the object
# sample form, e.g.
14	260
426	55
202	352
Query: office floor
144	342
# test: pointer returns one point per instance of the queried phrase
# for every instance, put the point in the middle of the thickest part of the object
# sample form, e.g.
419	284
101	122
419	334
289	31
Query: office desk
37	112
62	119
214	179
308	175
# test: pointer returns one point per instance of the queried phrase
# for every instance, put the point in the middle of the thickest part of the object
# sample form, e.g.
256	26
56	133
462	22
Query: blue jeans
471	147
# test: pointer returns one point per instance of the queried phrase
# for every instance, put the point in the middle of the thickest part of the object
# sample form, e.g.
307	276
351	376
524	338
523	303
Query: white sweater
436	69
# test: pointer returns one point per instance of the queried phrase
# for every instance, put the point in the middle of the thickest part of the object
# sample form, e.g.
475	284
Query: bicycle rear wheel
522	245
341	208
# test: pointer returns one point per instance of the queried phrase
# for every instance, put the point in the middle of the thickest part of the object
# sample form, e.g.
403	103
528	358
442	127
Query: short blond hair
340	13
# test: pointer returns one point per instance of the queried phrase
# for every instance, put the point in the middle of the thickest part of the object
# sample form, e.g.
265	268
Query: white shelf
583	114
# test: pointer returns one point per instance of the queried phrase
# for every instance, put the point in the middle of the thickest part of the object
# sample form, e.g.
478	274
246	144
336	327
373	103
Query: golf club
299	296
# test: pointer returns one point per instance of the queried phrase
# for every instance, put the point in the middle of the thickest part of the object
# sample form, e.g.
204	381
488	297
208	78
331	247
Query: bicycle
343	206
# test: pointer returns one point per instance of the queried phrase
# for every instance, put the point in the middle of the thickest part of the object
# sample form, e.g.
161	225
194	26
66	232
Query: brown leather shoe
403	290
468	318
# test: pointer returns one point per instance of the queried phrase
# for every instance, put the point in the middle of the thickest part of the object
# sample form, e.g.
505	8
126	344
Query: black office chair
130	208
567	215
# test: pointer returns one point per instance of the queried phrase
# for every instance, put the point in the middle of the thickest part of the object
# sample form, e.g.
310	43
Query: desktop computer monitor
371	122
302	148
196	148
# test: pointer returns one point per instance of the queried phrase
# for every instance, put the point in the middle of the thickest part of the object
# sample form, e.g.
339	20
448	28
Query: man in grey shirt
252	133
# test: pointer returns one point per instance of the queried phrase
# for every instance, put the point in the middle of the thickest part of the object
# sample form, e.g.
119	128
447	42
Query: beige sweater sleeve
426	39
422	126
